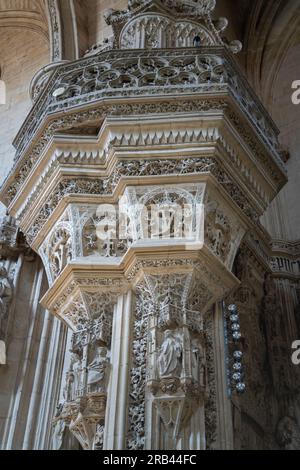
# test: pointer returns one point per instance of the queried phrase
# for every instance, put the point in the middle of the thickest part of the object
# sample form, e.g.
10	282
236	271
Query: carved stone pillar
11	245
137	175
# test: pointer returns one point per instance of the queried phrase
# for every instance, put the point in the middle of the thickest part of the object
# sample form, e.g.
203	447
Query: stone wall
17	45
282	219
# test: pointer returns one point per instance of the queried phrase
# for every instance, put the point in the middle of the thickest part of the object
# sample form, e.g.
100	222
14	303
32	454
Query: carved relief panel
87	378
160	31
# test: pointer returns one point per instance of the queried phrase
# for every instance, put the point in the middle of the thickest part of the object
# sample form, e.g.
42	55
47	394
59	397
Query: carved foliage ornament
86	381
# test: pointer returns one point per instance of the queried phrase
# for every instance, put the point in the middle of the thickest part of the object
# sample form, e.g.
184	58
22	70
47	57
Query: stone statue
169	360
73	379
288	432
197	41
198	363
6	292
97	371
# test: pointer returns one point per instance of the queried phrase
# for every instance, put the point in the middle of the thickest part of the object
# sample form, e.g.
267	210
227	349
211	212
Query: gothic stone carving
11	241
86	383
6	294
136	412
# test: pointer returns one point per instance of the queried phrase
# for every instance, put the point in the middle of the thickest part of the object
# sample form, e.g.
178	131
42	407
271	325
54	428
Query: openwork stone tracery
156	201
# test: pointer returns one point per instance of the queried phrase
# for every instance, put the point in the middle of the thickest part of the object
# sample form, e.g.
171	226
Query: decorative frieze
12	242
104	110
155	206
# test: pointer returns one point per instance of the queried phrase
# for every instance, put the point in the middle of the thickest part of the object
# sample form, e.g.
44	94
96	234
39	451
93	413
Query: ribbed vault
29	14
273	28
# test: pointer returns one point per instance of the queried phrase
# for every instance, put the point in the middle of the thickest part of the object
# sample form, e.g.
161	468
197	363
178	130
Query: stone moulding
107	150
66	297
277	256
41	224
220	78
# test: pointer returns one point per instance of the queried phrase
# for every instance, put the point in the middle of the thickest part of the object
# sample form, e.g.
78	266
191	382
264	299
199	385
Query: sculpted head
168	334
101	351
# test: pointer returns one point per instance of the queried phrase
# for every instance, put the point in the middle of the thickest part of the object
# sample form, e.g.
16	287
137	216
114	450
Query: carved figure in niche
170	357
73	379
288	432
197	41
218	232
97	371
198	363
6	293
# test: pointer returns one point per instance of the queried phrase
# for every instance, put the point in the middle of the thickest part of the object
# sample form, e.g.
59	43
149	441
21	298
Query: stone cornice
281	257
66	189
117	142
161	104
77	278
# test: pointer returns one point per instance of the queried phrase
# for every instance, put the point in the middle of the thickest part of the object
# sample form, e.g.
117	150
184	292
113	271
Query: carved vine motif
101	235
211	403
136	413
59	251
